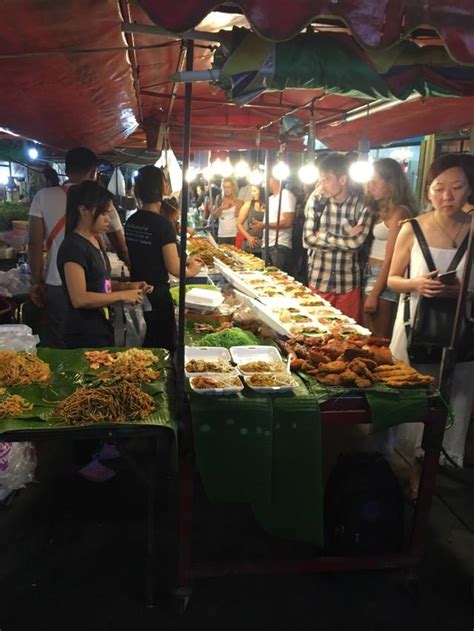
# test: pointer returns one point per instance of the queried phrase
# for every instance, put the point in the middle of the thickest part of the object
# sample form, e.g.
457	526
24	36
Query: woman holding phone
444	229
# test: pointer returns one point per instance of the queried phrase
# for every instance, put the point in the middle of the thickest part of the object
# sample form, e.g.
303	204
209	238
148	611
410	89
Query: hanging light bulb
256	177
208	173
241	169
281	171
191	174
308	173
33	153
135	173
362	170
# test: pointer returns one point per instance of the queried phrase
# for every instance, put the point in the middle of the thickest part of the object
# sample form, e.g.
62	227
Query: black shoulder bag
433	323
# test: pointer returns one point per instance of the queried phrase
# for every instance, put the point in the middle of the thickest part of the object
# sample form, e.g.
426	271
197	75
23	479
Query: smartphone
448	278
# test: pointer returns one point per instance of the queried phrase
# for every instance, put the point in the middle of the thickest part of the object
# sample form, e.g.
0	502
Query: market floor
75	561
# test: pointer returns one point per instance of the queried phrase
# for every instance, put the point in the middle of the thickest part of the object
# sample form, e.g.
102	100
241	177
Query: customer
390	199
250	211
448	186
280	231
336	228
84	269
46	226
151	240
227	212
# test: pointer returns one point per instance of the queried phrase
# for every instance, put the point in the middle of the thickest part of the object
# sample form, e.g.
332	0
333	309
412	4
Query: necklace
454	242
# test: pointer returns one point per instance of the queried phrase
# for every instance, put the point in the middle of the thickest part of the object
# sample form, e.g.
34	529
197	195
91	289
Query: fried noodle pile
21	369
118	403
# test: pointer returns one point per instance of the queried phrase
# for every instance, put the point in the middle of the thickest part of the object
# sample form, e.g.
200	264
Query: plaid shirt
333	253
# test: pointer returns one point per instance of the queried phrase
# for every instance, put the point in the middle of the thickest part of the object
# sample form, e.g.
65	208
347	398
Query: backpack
363	507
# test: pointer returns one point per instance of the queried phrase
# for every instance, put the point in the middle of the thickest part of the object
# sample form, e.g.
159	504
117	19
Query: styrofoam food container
244	354
286	388
205	299
215	391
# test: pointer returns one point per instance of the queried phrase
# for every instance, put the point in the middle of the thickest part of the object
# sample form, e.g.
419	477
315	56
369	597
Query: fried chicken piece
301	351
357	339
377	341
361	382
336	367
329	379
421	381
380	354
317	357
349	377
371	365
306	366
360	369
352	353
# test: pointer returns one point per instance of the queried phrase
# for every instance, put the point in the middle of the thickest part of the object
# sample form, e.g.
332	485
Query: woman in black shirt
85	269
151	241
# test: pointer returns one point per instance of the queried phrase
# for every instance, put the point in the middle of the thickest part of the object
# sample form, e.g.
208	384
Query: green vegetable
10	211
229	337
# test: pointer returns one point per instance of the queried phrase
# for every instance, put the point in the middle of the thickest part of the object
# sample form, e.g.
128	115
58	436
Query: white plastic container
245	354
203	299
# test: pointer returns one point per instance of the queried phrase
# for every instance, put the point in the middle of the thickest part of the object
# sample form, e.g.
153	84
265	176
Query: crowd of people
357	248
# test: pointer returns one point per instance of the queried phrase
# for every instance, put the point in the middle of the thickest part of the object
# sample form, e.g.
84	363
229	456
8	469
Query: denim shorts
370	277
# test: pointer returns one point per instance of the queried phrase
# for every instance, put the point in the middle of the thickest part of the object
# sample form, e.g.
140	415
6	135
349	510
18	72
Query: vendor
85	269
151	240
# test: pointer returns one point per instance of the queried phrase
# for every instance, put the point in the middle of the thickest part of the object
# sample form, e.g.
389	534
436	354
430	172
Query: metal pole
279	214
184	224
267	205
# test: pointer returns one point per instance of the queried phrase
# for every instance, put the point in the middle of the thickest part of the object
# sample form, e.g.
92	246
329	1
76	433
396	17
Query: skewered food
20	369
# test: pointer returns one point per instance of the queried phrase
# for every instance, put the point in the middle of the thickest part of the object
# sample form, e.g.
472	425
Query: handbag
433	323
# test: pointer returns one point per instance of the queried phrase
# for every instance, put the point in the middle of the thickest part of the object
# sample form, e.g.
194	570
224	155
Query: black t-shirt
146	233
86	327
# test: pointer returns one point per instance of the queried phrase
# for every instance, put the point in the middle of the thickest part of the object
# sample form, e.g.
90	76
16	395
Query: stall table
348	409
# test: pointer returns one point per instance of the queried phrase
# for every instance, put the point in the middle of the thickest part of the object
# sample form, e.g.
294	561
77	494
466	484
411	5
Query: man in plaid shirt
337	223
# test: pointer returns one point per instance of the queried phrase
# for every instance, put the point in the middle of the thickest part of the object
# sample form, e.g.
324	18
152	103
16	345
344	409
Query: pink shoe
95	471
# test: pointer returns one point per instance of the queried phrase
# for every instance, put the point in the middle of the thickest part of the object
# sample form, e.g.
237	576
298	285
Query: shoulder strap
459	254
58	227
425	250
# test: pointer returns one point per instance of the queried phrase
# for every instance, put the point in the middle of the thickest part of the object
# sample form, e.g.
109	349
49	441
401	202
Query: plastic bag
17	466
135	325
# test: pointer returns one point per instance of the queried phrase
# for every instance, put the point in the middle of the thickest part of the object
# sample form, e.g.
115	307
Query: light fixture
33	153
191	174
208	173
256	177
222	168
135	173
241	169
281	171
308	173
362	170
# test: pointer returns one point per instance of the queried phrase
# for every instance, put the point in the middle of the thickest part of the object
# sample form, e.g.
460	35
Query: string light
256	177
281	171
241	169
309	173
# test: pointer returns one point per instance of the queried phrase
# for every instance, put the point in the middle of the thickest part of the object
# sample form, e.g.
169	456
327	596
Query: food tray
215	391
244	354
271	389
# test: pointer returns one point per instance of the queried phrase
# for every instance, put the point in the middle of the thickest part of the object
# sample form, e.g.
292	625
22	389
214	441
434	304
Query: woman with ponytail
85	269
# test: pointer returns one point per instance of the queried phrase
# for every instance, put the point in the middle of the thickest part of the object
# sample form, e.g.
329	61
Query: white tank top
379	244
227	223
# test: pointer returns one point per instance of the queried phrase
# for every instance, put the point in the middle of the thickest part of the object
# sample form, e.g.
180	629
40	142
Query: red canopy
69	77
374	23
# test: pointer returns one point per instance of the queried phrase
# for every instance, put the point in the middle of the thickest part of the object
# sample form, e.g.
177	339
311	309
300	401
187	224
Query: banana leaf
71	370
